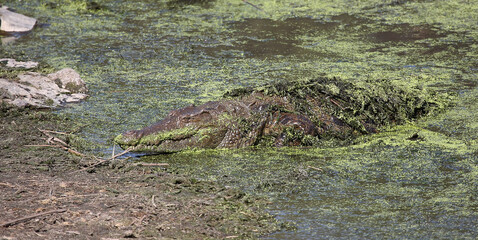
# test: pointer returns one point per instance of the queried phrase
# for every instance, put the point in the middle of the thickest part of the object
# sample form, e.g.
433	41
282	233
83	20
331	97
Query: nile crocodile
296	113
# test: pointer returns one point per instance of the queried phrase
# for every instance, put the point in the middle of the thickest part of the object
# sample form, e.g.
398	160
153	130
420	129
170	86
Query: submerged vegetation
142	59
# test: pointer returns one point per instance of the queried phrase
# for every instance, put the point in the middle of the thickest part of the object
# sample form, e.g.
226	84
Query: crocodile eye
185	119
201	117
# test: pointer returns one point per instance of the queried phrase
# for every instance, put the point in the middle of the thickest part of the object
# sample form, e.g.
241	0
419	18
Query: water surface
142	59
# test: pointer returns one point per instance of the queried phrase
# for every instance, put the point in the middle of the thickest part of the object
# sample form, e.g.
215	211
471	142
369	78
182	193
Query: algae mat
144	58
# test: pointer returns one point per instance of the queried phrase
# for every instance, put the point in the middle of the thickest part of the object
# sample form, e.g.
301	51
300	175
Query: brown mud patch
263	38
120	200
406	33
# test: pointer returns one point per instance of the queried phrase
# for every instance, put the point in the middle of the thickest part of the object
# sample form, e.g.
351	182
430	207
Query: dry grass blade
151	164
316	168
105	160
253	5
56	132
23	219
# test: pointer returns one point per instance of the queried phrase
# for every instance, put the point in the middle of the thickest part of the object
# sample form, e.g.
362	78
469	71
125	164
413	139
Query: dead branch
23	219
53	141
58	143
56	132
52	138
6	184
336	103
104	160
42	145
151	164
316	168
75	152
152	201
255	6
113	152
58	146
119	154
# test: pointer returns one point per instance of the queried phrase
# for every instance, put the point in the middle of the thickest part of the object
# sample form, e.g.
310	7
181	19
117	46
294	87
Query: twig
119	154
113	153
151	164
61	142
75	152
315	168
105	160
152	201
52	138
256	7
6	184
58	146
19	220
140	221
336	103
78	196
50	131
42	145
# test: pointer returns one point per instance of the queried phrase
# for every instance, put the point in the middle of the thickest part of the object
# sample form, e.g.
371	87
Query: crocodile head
204	126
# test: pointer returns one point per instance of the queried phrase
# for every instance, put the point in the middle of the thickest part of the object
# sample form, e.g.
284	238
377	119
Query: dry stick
233	236
53	138
6	184
42	145
315	168
61	142
16	221
336	103
113	153
258	8
151	164
141	219
152	201
50	131
67	148
75	152
65	145
105	160
58	146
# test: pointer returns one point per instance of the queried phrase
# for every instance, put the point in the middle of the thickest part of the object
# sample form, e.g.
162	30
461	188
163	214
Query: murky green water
142	59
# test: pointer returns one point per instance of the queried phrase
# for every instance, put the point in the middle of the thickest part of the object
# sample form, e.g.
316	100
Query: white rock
15	22
36	90
14	63
70	80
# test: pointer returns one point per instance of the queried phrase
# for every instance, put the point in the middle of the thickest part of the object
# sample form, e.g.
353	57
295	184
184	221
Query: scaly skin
291	114
216	124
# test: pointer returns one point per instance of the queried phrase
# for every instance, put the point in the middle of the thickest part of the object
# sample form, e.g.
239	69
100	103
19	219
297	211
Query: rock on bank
32	89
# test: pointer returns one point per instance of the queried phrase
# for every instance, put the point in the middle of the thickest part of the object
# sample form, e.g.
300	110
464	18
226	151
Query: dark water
142	59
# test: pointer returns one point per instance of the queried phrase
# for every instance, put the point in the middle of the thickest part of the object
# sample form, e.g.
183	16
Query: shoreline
118	200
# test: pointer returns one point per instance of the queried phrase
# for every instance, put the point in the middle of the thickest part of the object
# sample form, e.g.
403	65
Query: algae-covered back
293	113
379	102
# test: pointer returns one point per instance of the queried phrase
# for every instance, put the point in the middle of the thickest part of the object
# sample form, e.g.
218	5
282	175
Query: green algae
391	175
144	58
175	134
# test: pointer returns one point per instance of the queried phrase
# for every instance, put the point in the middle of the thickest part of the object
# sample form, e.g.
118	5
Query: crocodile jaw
171	141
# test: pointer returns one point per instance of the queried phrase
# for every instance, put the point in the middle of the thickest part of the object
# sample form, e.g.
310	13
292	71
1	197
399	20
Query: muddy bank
119	200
